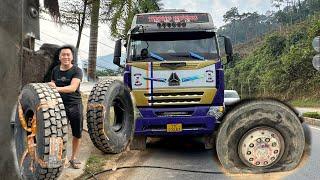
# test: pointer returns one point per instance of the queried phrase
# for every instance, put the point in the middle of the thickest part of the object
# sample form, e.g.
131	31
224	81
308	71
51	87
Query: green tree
53	8
232	16
75	13
121	12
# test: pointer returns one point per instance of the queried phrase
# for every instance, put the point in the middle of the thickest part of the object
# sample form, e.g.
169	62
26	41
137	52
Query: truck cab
175	73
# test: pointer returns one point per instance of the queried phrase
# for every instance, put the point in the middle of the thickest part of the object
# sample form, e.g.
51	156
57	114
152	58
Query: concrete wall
10	79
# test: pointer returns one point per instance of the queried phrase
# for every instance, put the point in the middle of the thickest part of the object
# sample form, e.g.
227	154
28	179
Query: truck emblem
174	80
137	79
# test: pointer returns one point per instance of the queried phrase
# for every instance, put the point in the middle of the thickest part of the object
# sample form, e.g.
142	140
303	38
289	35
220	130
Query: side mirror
228	49
117	53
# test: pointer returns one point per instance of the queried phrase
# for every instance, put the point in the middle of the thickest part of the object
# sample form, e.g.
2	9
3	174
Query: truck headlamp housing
216	112
137	113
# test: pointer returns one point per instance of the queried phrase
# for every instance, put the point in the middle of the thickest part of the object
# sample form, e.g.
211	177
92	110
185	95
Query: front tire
260	136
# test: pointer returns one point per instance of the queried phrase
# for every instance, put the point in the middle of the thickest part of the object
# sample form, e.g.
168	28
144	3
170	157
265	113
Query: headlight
216	111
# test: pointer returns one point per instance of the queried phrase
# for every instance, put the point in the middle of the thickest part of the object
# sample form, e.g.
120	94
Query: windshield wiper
156	56
190	54
195	55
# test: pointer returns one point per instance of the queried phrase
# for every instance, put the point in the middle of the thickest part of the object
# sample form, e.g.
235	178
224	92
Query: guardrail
312	121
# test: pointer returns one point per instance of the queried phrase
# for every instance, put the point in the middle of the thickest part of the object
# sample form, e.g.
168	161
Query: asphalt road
189	154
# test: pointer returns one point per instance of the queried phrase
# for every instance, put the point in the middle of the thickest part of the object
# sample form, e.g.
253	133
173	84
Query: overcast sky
51	33
217	8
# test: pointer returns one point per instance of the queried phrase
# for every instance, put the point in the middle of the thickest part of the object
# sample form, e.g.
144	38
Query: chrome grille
174	98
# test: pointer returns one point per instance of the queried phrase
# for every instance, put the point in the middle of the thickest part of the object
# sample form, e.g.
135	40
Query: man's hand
52	84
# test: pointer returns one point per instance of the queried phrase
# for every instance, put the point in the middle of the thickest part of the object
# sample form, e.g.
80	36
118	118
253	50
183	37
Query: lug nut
251	159
274	144
265	163
251	145
275	151
249	152
273	158
259	140
267	139
257	163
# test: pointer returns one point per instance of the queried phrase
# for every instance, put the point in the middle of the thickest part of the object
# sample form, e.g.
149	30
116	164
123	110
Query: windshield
173	46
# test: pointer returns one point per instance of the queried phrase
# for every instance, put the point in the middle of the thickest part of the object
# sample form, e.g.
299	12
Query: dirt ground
86	147
85	152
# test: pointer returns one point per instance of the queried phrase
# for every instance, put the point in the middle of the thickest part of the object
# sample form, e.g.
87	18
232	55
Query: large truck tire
260	136
110	116
50	136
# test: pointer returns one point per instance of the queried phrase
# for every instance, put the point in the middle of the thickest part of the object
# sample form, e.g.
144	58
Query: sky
56	34
217	8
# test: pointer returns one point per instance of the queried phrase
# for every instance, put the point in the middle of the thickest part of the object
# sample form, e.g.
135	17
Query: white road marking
314	127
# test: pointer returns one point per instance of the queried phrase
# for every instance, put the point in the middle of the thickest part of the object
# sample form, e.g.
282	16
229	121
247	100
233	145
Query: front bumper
199	123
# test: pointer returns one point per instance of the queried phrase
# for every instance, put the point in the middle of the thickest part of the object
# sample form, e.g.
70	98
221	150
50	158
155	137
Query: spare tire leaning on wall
40	132
110	117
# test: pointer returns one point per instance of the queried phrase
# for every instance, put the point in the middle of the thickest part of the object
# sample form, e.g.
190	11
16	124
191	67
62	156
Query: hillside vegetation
279	64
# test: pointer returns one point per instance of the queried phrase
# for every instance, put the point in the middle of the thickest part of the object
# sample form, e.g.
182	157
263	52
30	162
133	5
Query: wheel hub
261	147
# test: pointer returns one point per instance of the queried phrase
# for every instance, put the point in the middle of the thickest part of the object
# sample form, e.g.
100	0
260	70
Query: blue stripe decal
151	69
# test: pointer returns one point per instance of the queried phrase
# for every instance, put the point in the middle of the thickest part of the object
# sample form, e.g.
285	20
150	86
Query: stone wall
37	66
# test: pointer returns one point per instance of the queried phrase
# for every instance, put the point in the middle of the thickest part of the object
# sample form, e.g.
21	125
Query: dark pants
75	117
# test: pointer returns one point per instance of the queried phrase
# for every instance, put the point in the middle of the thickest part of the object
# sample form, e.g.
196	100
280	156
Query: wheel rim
261	147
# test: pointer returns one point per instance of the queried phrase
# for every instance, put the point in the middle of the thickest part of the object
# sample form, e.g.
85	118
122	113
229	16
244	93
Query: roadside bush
315	115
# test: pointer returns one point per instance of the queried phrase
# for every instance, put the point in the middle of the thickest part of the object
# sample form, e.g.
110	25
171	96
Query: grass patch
315	115
94	164
306	102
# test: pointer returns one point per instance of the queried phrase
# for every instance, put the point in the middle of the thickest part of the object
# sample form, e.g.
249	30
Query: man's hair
67	47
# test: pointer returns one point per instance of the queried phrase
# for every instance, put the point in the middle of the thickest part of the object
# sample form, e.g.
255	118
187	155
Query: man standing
66	78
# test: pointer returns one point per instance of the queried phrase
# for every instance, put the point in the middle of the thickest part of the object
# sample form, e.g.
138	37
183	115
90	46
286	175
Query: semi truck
173	85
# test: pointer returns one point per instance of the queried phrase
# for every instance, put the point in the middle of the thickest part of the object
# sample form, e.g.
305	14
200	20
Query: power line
62	41
86	61
86	35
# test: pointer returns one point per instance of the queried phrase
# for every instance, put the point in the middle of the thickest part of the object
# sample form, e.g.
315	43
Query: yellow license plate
174	127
